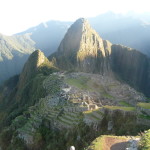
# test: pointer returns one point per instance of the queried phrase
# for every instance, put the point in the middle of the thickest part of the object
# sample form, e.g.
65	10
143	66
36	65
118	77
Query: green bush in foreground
145	141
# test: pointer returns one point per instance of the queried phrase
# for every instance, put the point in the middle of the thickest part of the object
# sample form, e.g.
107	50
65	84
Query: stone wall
147	111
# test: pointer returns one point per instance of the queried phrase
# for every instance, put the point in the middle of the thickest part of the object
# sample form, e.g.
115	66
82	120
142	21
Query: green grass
90	111
144	105
145	141
52	84
121	108
97	144
95	117
65	122
106	95
124	103
91	114
71	115
144	116
68	119
80	82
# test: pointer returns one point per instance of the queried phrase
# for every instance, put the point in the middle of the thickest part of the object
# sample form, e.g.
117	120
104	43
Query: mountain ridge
80	45
127	29
90	53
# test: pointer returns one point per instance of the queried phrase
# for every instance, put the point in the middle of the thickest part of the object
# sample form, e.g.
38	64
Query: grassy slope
85	83
144	105
121	108
124	103
80	82
99	142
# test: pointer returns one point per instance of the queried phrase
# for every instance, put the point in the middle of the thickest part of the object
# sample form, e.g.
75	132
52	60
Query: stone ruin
81	107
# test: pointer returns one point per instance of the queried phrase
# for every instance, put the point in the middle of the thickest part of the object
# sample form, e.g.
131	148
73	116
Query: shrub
145	141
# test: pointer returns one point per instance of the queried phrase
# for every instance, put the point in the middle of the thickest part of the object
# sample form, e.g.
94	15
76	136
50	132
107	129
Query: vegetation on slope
121	108
144	105
80	82
100	143
145	141
28	90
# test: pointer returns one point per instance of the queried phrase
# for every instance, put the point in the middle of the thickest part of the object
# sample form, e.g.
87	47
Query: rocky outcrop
82	49
132	66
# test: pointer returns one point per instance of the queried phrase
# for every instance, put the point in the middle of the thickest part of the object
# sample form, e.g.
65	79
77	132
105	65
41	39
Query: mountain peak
36	60
37	57
81	20
80	32
80	46
82	24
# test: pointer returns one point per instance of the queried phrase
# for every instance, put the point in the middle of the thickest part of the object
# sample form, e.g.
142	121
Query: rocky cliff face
132	66
83	49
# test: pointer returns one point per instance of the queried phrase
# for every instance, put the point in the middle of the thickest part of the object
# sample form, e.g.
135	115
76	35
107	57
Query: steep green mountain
82	49
132	66
17	94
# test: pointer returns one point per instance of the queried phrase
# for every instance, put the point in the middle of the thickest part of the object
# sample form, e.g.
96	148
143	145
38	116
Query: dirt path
112	143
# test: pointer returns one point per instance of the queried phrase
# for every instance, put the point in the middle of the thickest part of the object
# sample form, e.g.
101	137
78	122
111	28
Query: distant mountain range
14	50
132	30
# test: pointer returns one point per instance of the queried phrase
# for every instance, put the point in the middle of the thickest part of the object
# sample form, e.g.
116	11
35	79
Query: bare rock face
83	49
132	66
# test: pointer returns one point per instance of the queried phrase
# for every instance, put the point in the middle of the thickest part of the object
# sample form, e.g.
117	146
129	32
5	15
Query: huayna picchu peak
82	49
89	88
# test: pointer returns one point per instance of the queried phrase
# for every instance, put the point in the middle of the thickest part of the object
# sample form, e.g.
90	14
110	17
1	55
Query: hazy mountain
47	36
14	51
131	29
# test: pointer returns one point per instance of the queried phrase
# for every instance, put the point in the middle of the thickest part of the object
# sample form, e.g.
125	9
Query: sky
19	15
